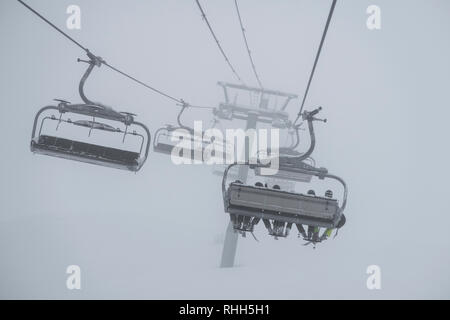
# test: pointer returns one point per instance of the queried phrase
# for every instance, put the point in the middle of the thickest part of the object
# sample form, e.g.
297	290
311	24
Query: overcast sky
159	233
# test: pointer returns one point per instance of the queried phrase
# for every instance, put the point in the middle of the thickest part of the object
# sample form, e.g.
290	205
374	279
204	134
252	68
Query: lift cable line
316	60
52	25
143	84
101	61
217	42
246	44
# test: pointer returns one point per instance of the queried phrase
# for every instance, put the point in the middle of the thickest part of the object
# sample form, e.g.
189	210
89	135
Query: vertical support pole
231	236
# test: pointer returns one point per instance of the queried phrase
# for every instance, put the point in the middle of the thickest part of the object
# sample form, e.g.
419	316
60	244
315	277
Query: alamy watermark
374	280
374	20
74	20
212	147
74	279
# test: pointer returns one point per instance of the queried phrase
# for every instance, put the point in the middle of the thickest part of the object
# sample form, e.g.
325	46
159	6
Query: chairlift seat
282	206
86	152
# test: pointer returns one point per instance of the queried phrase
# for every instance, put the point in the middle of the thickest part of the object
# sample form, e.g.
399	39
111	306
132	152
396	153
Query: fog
158	234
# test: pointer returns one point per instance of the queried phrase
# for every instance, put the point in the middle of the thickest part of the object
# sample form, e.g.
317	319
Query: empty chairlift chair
265	113
190	144
169	137
96	114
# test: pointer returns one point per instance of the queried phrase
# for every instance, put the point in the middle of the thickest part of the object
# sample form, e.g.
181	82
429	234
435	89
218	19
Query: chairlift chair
230	110
56	146
166	139
169	136
280	209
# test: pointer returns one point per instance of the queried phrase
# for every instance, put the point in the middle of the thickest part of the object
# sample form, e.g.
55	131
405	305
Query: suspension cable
143	84
52	25
246	45
181	101
217	41
330	14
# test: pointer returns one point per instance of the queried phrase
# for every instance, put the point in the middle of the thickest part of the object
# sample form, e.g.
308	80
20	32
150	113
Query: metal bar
231	236
259	90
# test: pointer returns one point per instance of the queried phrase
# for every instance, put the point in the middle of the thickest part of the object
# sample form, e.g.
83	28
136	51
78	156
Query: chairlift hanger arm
184	105
94	61
183	108
310	118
